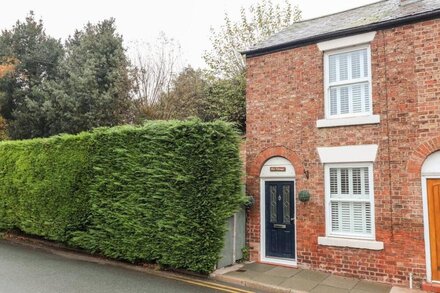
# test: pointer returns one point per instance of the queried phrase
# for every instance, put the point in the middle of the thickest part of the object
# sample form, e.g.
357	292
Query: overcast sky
187	21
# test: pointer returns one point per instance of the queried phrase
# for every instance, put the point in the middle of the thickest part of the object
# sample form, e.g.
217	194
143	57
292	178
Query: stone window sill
352	243
360	120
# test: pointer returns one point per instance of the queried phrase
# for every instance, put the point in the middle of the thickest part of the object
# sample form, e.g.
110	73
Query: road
24	269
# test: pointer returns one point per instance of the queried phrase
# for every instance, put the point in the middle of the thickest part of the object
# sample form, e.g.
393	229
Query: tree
258	23
94	88
88	87
224	100
29	57
155	68
185	98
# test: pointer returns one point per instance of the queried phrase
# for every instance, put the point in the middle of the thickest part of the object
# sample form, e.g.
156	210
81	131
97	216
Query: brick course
285	97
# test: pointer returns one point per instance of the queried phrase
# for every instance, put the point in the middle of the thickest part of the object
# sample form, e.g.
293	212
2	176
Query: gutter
343	33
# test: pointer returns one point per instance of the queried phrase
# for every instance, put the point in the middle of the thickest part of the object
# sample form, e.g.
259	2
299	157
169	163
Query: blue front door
280	225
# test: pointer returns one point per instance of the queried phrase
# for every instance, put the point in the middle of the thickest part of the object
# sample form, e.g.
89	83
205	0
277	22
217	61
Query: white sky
187	21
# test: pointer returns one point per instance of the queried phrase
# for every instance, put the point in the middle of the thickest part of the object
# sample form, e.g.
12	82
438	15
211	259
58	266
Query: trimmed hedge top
157	193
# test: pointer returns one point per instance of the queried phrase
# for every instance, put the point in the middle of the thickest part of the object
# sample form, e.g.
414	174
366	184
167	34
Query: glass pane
365	61
273	203
345	103
366	97
345	187
356	64
286	204
357	189
343	67
333	101
333	181
332	68
357	98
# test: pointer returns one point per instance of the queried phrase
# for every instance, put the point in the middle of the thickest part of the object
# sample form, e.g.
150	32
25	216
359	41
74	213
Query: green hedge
157	193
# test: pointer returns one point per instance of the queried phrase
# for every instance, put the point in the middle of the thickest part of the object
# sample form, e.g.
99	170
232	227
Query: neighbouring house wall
285	98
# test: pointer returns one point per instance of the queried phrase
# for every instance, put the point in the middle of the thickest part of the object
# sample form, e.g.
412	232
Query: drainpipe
410	280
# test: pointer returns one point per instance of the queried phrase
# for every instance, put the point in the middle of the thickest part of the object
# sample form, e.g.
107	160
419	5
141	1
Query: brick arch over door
279	151
420	154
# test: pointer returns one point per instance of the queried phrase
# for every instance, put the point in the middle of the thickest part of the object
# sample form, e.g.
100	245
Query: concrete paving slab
340	282
299	284
328	289
312	275
271	280
372	287
283	272
248	275
258	267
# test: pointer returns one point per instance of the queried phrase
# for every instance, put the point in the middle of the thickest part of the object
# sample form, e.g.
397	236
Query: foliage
225	100
186	97
157	193
256	24
3	129
54	89
35	57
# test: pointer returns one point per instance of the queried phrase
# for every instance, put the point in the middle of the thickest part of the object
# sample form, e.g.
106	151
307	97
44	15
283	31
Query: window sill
352	243
360	120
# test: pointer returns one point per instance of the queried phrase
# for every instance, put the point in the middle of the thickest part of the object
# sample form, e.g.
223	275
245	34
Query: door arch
431	214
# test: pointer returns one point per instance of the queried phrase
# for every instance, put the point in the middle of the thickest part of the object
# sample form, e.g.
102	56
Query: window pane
356	64
332	68
365	61
357	98
349	183
333	181
345	189
357	189
366	96
333	101
286	204
273	203
345	105
347	99
351	218
343	67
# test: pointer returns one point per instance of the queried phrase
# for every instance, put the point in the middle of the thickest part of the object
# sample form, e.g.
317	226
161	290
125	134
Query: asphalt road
24	270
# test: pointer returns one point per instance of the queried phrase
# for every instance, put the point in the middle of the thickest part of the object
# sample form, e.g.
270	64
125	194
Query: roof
378	15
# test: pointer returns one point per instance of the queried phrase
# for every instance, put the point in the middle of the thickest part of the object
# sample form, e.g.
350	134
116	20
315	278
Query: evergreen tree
34	57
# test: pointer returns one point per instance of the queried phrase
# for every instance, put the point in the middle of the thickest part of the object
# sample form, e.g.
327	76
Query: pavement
282	279
31	269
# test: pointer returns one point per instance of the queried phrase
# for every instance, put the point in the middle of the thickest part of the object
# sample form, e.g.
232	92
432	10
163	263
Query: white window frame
368	79
328	221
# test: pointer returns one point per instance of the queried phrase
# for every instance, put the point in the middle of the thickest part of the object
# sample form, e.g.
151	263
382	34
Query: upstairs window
348	82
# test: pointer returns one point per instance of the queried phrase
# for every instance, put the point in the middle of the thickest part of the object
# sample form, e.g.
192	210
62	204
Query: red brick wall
285	97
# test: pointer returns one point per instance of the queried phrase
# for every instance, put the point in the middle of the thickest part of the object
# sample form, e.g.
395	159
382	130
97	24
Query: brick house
343	112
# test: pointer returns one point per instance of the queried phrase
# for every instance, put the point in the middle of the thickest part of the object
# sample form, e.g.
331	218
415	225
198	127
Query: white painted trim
279	261
348	154
263	258
426	225
430	170
347	41
359	120
352	243
277	162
